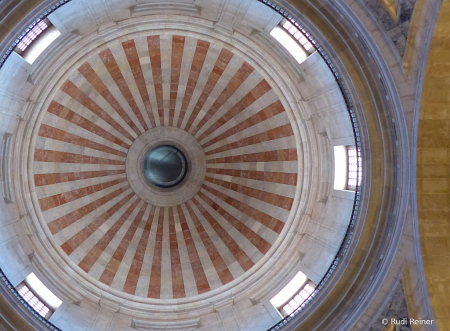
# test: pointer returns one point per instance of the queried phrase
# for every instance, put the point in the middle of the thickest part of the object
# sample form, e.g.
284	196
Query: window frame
354	168
305	288
31	36
21	287
298	36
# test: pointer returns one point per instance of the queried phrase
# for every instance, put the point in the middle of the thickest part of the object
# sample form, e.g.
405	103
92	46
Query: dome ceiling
106	221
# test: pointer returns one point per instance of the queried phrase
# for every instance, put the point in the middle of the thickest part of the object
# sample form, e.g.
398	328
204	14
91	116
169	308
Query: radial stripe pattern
114	235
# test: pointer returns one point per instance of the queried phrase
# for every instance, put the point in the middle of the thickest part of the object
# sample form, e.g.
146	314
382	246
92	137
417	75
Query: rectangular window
354	168
293	39
32	35
34	301
38	296
293	295
36	40
298	35
298	299
347	169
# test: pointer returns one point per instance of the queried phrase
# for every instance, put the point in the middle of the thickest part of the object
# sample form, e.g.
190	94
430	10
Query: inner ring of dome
165	166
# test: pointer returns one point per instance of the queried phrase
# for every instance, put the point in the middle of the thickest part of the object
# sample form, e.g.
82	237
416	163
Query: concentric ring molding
293	98
121	294
318	14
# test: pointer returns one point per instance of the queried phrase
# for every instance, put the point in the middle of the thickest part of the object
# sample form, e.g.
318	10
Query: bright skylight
289	290
40	289
285	39
32	35
33	301
38	46
340	167
353	168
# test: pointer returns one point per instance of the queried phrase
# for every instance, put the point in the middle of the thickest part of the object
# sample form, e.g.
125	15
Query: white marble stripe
274	166
79	80
264	232
144	277
266	146
208	266
49	190
59	167
79	109
125	265
68	232
275	188
166	71
190	45
57	212
61	124
81	251
100	68
266	100
269	124
190	287
100	265
210	60
227	75
144	59
166	266
122	62
252	252
252	80
229	259
269	209
65	147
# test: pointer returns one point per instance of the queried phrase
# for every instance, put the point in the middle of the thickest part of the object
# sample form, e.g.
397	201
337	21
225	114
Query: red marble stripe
91	76
54	178
93	255
263	218
221	63
270	156
73	91
258	91
260	243
239	77
272	134
271	198
135	65
63	198
64	221
111	65
154	288
70	245
197	268
241	257
177	273
47	131
138	260
177	57
267	113
222	270
265	176
113	265
72	117
196	67
43	155
154	50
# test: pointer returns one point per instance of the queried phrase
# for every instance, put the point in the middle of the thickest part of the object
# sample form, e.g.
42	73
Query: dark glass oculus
165	166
